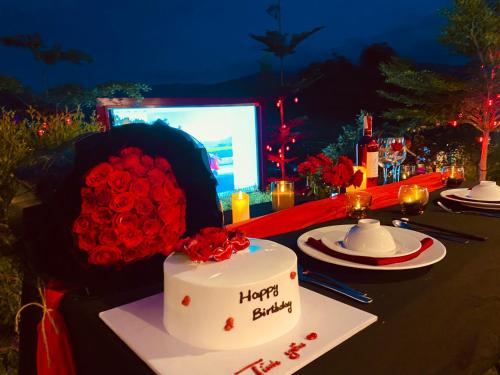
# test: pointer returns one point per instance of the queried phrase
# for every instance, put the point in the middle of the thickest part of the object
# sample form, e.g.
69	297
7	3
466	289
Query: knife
355	296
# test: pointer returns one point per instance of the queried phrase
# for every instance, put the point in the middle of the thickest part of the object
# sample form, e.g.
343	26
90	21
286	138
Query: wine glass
397	154
384	160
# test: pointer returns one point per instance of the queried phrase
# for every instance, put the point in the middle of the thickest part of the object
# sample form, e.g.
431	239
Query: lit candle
241	206
358	204
413	199
363	183
282	195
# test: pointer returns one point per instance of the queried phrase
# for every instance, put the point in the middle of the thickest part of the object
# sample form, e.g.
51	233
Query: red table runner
319	211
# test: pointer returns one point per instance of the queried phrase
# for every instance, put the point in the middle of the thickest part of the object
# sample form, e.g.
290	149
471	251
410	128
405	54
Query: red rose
87	240
119	181
82	224
122	202
140	187
133	254
143	206
151	227
124	221
147	162
214	236
105	255
130	151
324	160
108	236
156	176
153	244
396	146
223	252
117	163
162	164
132	237
102	215
102	195
169	236
156	192
88	200
98	175
138	169
196	250
357	178
238	240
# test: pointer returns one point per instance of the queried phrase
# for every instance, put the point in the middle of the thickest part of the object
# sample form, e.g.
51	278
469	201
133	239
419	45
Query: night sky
168	41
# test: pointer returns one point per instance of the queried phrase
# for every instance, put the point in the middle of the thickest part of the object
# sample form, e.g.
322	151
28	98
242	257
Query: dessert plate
406	243
430	256
459	196
140	325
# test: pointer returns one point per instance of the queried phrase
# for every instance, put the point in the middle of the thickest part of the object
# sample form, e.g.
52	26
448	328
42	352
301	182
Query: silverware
446	230
329	279
355	296
447	209
432	233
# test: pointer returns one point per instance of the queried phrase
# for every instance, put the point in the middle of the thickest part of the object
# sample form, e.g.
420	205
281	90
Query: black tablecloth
441	319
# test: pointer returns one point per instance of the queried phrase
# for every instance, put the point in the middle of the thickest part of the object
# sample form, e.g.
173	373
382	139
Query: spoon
405	225
447	209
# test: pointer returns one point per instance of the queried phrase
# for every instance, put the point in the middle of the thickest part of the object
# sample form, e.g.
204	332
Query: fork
447	209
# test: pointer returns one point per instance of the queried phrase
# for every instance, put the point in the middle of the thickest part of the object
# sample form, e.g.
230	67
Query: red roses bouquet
324	175
132	208
212	244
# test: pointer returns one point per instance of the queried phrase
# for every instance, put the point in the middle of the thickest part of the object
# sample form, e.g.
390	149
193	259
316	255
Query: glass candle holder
240	203
407	171
413	199
452	175
358	203
282	194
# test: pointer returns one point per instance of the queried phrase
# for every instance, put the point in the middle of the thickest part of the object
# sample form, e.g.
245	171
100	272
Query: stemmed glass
396	148
384	160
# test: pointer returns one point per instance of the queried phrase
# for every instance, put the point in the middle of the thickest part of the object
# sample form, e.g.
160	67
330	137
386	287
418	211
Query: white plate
406	243
468	201
430	256
464	193
140	325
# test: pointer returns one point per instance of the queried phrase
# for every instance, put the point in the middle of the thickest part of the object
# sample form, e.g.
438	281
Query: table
443	319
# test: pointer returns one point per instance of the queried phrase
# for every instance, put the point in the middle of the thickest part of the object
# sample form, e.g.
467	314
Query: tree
470	98
278	42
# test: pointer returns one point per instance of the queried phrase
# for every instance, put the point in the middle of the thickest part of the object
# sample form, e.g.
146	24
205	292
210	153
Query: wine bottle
367	153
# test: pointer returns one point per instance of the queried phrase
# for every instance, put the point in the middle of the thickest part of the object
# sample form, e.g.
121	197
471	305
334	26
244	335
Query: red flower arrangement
212	244
324	174
132	208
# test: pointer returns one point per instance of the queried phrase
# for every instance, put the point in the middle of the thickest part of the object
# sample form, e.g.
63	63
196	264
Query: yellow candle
282	195
363	183
241	206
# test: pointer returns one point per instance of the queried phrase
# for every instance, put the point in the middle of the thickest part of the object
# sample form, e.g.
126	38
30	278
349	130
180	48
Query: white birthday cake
247	300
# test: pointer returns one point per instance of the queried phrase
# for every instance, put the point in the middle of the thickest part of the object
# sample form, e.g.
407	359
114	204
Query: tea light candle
240	203
413	199
453	176
358	204
282	195
363	183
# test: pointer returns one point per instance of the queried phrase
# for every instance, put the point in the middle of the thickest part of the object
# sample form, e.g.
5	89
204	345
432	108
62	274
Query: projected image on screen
229	134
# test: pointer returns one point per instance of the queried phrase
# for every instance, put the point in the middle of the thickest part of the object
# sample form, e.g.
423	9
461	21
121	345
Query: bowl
486	190
369	237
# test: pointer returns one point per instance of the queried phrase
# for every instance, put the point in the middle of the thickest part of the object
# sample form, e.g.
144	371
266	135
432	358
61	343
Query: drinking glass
384	160
397	154
453	175
413	199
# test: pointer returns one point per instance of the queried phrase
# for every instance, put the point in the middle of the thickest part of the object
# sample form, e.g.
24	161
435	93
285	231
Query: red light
277	164
270	148
498	96
283	126
295	100
287	148
68	121
454	123
293	140
39	132
45	126
480	139
278	103
490	102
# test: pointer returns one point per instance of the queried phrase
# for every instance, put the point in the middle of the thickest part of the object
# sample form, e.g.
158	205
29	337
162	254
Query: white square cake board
140	325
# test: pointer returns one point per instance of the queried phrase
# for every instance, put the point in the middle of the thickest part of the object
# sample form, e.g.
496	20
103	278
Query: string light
68	121
288	148
40	132
490	102
278	103
295	100
454	123
293	140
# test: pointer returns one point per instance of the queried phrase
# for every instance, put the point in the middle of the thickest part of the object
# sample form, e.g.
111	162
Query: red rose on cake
132	208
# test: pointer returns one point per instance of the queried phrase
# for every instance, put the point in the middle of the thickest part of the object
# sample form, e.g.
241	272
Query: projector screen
229	134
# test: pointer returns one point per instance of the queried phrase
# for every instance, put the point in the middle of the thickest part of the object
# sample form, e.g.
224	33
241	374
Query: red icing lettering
259	367
186	300
293	274
312	336
292	352
229	324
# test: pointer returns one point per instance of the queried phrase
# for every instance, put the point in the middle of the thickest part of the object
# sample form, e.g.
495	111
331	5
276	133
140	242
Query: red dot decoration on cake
293	274
312	336
186	300
229	324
